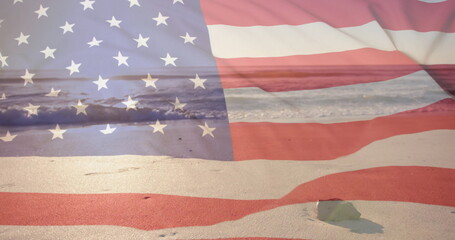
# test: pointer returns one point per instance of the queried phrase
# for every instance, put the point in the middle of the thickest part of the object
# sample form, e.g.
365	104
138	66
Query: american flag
226	119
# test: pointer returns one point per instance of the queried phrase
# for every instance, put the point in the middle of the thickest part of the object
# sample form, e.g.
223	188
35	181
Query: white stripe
286	40
425	47
257	179
379	220
316	38
336	104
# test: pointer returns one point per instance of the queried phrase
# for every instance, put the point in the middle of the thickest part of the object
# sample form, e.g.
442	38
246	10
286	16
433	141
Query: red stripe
143	211
364	56
314	71
391	14
155	211
315	141
407	184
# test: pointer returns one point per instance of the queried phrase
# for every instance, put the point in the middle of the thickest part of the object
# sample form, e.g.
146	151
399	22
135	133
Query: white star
67	27
16	1
57	132
28	77
8	137
149	81
31	109
73	67
41	11
160	19
180	1
3	60
53	93
3	97
158	127
178	104
80	108
114	22
94	42
188	39
48	52
87	4
108	130
121	59
198	82
22	39
130	104
101	83
207	130
134	3
169	60
141	41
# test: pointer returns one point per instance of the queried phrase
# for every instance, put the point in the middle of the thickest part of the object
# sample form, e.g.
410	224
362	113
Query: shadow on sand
360	226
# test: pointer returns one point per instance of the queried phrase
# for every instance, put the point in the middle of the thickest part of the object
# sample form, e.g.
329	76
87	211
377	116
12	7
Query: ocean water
217	107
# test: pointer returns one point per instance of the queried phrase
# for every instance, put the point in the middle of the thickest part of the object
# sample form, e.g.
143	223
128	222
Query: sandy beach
219	181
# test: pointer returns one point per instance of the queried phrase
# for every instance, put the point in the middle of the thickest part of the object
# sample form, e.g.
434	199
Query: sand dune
379	220
259	179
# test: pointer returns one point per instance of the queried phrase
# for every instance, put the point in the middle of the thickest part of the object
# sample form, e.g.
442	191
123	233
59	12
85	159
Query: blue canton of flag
82	78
